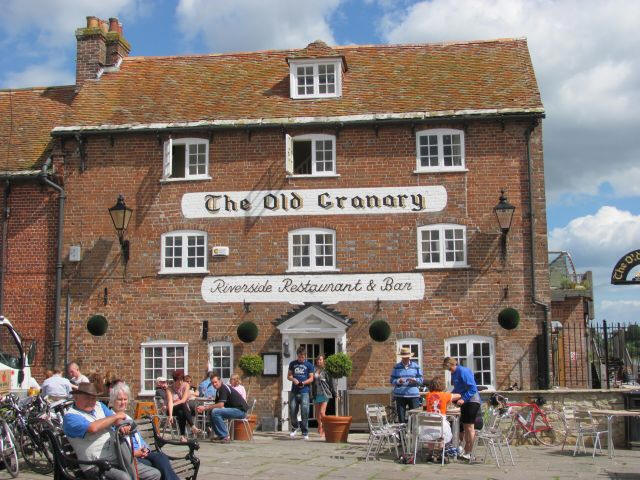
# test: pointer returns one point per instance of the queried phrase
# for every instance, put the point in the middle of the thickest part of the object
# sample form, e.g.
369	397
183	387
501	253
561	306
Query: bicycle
28	426
547	427
8	450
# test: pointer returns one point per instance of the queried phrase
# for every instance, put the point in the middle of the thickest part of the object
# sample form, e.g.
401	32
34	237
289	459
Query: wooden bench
68	467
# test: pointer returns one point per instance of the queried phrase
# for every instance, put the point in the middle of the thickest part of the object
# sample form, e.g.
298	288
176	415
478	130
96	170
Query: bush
338	365
251	365
97	325
379	330
247	332
509	318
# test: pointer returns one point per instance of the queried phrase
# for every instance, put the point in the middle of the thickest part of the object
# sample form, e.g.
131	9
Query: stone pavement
276	456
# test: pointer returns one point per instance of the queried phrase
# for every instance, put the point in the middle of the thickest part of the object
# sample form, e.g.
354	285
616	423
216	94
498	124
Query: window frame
311	137
184	269
441	227
315	63
440	132
168	159
164	344
469	340
210	348
410	342
312	247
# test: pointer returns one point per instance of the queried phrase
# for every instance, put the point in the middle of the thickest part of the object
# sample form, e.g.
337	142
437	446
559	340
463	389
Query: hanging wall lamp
120	216
504	213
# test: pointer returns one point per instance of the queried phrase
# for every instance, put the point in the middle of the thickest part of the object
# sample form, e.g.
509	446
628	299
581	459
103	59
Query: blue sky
584	53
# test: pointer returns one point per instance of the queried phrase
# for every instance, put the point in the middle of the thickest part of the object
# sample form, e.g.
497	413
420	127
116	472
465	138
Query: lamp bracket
246	306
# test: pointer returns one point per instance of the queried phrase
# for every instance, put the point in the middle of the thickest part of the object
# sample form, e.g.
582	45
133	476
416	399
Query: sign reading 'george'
299	289
342	201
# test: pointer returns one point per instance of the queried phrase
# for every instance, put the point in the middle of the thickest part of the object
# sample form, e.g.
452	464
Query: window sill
193	271
186	179
333	270
441	170
326	175
422	268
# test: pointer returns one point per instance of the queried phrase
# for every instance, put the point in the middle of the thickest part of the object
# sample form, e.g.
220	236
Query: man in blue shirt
301	377
206	388
88	426
464	383
406	377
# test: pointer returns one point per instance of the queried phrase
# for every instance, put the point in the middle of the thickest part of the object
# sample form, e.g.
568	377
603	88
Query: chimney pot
113	24
103	26
119	28
92	22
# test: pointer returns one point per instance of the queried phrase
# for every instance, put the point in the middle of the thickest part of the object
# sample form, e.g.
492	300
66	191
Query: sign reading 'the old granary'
299	289
343	201
621	271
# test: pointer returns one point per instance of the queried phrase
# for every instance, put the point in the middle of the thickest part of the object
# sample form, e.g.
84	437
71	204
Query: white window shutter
168	152
289	154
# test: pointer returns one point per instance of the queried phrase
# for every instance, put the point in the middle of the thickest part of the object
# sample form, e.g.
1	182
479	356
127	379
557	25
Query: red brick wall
91	53
572	351
29	253
143	305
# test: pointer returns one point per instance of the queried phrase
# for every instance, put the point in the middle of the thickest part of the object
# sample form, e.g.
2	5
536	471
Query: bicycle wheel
9	451
34	451
553	428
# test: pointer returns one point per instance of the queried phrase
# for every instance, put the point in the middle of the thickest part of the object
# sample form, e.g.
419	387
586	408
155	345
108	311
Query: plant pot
239	432
336	429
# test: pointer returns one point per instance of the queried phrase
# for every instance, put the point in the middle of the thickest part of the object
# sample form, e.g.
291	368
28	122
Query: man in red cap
87	425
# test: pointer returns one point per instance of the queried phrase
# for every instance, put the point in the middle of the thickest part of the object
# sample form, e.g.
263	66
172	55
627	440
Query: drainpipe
56	323
5	222
534	298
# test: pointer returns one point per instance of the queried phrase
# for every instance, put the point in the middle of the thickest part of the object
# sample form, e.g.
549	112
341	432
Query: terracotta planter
336	429
239	432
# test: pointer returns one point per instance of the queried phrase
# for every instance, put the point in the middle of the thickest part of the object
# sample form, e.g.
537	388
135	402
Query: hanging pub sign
623	267
298	289
341	201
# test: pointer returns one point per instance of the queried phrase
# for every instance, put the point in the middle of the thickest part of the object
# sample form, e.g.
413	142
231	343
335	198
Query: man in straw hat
406	377
87	425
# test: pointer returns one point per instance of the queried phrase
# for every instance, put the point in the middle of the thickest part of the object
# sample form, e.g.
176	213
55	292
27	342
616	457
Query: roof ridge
24	89
334	47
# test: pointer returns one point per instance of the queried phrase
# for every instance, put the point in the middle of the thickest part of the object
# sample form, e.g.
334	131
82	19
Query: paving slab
276	456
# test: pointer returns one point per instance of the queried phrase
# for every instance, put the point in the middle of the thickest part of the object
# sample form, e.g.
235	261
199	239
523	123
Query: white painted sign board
341	201
298	289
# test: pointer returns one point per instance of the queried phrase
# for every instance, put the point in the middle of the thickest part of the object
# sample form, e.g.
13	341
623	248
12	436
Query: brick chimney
100	44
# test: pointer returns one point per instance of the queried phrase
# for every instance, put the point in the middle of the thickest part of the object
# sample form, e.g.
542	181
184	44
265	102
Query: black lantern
120	216
504	213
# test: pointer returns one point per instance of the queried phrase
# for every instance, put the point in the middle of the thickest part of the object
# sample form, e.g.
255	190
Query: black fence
614	353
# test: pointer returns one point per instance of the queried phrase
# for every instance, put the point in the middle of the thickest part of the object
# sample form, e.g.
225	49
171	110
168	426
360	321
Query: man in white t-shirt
56	386
75	377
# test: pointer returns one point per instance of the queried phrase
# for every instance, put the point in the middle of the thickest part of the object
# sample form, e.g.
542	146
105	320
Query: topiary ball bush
509	318
338	365
379	330
251	365
97	325
247	332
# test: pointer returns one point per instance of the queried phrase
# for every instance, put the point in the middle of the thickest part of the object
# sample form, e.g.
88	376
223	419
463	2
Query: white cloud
56	20
585	56
248	25
38	75
622	311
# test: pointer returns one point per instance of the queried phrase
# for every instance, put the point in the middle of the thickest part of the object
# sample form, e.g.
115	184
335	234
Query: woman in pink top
234	381
180	408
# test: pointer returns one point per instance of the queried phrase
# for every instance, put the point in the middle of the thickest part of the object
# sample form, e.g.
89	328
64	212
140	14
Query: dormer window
318	78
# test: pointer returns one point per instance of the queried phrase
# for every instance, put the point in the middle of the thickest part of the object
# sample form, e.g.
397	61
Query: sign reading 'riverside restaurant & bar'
299	289
341	201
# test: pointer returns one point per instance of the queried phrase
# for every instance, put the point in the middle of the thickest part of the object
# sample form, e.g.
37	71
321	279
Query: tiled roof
381	79
323	308
26	119
317	49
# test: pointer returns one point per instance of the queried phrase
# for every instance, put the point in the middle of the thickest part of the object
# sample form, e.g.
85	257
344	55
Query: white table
611	414
453	414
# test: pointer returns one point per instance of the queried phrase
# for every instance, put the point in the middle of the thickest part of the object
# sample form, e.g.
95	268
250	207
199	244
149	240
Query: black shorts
468	412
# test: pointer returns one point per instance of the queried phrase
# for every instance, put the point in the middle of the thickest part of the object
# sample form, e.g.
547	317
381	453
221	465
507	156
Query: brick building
310	192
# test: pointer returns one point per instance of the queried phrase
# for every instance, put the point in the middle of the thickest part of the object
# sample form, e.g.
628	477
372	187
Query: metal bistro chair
245	423
399	430
587	426
433	423
493	435
163	423
380	432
